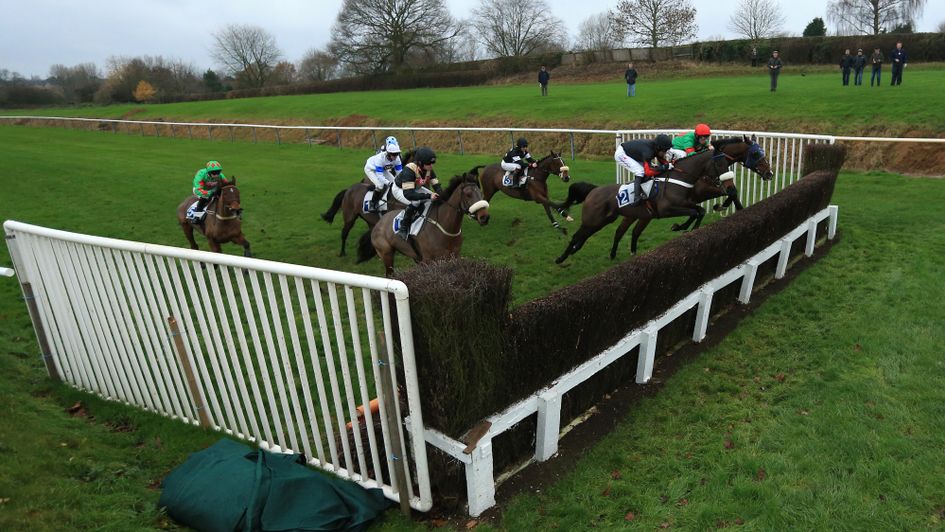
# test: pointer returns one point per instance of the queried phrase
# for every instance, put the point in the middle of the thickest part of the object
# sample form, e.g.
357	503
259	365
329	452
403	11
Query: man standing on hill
899	61
859	63
754	56
774	69
543	77
846	63
877	61
631	77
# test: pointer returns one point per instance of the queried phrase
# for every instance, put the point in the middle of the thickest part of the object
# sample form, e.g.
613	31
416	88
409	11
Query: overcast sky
35	34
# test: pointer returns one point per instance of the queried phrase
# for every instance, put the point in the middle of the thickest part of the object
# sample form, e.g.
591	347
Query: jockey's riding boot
198	210
409	214
638	193
376	198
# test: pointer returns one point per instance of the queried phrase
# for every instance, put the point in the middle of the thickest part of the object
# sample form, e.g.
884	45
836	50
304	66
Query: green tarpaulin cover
229	486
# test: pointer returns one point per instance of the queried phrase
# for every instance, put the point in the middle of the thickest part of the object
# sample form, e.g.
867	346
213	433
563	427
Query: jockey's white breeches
624	160
398	194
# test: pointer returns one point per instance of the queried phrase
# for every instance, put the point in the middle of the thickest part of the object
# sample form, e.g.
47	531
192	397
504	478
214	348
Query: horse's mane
721	143
455	183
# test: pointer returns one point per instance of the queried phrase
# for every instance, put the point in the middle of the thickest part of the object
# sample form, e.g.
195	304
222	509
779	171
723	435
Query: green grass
814	102
850	438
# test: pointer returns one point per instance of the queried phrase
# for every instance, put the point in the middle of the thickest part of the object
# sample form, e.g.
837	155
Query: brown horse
441	234
676	194
535	190
222	222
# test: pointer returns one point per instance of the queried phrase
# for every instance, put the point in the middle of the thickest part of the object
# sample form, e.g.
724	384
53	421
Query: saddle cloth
381	203
625	195
507	180
417	222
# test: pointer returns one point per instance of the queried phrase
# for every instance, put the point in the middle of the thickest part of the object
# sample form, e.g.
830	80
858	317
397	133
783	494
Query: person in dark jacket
517	161
846	64
543	77
774	69
754	56
644	159
631	77
410	187
859	63
877	61
899	60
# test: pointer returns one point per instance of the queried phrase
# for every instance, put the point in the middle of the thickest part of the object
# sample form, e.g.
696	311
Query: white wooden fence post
811	237
647	355
748	281
549	426
783	258
702	316
480	484
832	226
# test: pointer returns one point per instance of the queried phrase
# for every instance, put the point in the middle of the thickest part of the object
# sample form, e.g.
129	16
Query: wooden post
188	371
40	333
393	424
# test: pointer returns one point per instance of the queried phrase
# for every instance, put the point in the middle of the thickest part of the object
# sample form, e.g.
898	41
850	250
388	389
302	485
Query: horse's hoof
559	260
569	218
564	231
717	207
613	256
675	227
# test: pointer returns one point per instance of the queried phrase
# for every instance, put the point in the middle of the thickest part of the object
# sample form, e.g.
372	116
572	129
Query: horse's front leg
554	222
240	240
684	226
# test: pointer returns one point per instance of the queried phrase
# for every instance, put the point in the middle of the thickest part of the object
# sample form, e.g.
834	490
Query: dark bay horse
350	201
676	195
222	222
537	188
441	234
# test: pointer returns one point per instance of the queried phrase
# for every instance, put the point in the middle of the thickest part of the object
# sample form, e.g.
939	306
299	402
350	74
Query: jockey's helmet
521	142
214	166
425	156
663	142
703	130
392	147
391	140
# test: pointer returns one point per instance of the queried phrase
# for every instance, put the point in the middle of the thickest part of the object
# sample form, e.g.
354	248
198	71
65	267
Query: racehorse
221	224
441	234
675	196
535	190
350	202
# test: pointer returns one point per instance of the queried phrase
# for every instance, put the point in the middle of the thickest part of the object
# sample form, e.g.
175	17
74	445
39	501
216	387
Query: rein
458	209
219	200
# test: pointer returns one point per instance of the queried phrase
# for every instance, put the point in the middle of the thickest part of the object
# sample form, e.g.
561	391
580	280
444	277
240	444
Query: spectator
877	61
754	56
846	63
543	77
859	63
774	69
899	61
631	77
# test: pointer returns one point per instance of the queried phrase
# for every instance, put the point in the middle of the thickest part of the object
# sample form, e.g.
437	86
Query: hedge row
475	356
820	50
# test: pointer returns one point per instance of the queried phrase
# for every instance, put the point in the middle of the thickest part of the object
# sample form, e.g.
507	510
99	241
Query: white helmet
391	146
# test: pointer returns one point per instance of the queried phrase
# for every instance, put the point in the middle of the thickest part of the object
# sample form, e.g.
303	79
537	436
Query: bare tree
379	35
247	52
515	28
872	17
655	22
78	83
318	65
597	32
756	19
941	27
462	47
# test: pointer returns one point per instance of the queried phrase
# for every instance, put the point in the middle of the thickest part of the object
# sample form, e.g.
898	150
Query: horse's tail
577	193
366	250
329	215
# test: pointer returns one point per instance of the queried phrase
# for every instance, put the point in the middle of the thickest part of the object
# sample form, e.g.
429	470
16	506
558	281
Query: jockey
637	157
517	160
690	143
207	182
382	167
410	187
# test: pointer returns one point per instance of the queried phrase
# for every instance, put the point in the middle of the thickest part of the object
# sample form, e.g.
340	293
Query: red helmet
703	130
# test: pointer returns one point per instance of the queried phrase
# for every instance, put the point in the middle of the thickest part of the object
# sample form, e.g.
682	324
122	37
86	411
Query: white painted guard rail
277	354
480	481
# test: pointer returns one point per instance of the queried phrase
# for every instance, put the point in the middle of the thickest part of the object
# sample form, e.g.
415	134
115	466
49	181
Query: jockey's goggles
214	172
392	156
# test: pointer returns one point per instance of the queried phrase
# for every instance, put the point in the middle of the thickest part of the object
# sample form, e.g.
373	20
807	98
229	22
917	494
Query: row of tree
373	37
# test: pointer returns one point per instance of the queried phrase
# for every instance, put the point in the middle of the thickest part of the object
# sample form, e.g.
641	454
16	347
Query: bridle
467	211
237	213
